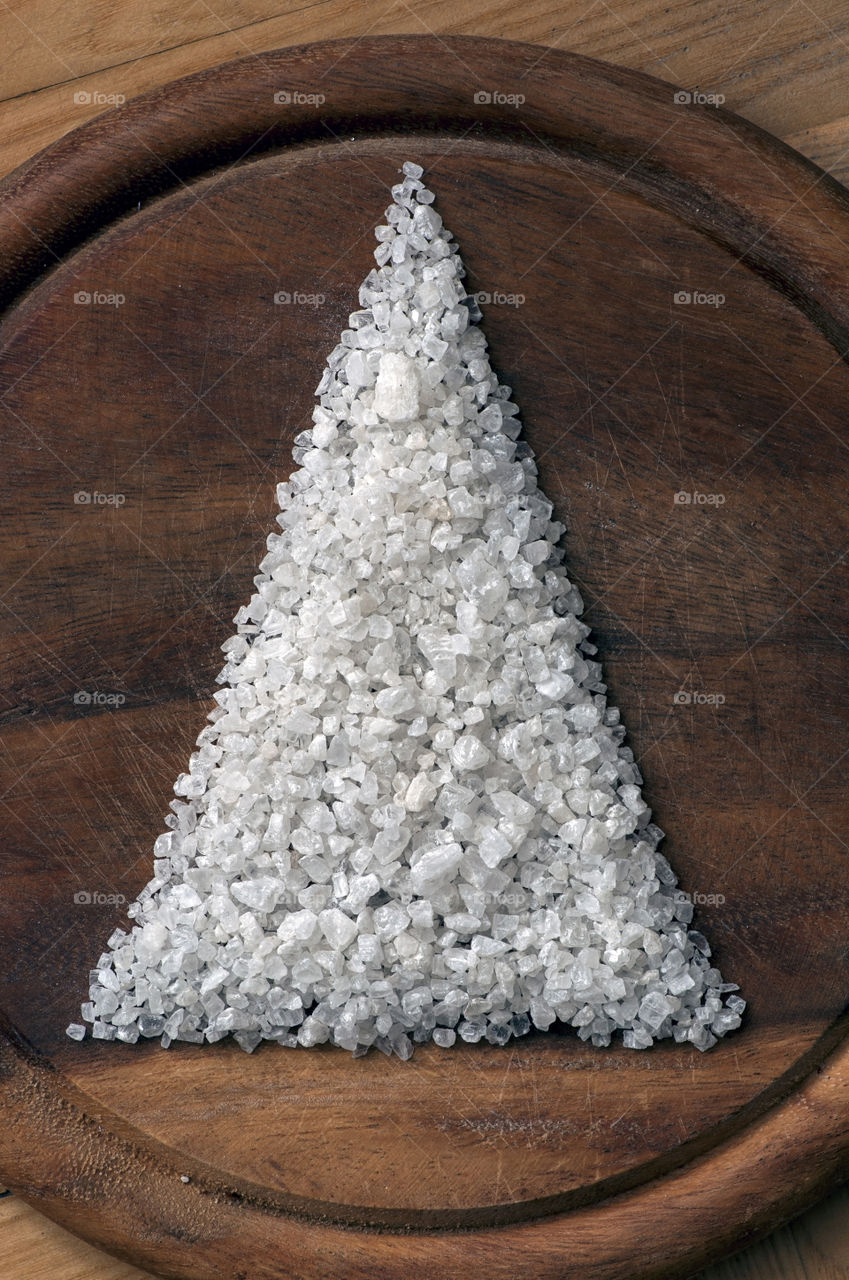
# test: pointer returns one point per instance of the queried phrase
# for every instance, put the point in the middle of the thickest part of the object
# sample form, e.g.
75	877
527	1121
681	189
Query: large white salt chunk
396	392
261	893
469	753
390	920
513	806
434	867
654	1009
494	847
419	793
184	897
153	935
339	929
298	926
394	701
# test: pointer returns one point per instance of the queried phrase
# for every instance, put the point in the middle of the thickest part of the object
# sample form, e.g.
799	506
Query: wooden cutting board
670	302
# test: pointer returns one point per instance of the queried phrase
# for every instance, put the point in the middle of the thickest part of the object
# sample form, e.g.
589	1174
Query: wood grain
156	727
780	65
812	1247
39	1249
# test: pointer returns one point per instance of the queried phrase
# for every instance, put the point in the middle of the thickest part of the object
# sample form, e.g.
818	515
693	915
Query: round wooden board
721	622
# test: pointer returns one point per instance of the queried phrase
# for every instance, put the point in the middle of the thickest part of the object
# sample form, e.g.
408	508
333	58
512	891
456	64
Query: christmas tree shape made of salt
411	815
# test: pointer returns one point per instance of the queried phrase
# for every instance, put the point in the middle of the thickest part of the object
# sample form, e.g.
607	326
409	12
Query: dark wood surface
598	199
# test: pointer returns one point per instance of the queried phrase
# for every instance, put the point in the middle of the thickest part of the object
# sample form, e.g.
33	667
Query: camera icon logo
682	97
282	97
82	898
682	698
682	498
482	97
82	98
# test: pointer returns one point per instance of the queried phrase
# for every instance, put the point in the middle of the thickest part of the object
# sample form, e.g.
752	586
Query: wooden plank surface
781	65
814	1247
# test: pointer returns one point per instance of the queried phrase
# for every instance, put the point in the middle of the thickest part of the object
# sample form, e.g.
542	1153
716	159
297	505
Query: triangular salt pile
412	815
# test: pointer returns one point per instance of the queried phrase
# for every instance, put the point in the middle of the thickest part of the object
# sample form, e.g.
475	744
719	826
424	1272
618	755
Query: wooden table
783	65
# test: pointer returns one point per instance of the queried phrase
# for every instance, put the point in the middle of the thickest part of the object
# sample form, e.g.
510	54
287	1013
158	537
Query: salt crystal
396	393
654	1009
411	815
390	920
420	793
469	753
339	929
434	867
512	806
299	926
494	847
261	893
